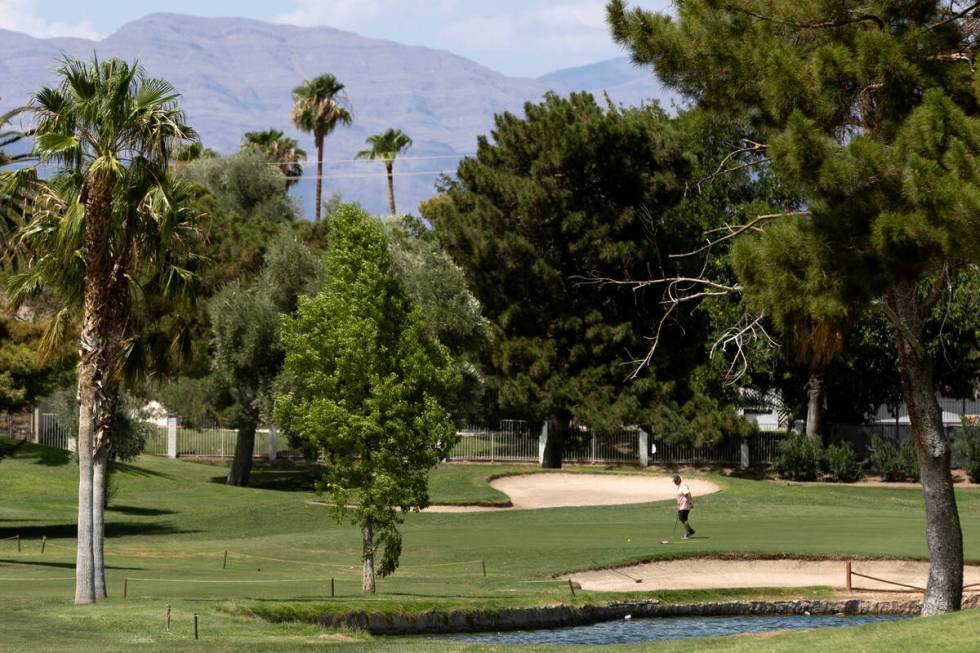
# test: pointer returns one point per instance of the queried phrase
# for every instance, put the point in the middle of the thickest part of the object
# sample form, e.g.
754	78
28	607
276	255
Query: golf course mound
710	573
564	490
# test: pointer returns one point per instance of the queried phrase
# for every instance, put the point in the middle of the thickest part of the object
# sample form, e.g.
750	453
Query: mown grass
170	521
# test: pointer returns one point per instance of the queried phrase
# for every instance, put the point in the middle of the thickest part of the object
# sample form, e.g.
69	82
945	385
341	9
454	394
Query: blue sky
516	37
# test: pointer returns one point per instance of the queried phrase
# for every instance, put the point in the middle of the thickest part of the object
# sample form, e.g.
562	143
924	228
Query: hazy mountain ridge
237	75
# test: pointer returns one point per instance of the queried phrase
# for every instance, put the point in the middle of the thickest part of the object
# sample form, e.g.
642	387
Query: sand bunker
561	490
701	573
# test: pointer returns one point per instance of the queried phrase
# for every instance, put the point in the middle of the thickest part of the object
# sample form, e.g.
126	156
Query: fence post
273	437
172	436
36	425
643	444
744	454
542	443
593	448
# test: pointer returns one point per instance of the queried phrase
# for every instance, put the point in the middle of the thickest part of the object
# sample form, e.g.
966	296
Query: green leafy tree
452	314
28	370
554	205
247	349
869	113
280	149
112	221
386	146
194	151
319	107
366	384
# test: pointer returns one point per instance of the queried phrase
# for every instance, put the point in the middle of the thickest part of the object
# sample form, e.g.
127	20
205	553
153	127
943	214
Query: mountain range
236	75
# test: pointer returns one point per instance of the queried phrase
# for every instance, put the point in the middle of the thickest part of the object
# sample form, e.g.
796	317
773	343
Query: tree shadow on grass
295	477
112	529
61	565
141	512
123	468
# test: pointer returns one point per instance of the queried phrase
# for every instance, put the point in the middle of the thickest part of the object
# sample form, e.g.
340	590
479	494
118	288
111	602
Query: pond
631	631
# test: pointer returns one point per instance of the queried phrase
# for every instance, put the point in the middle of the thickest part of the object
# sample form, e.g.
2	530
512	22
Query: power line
372	174
401	158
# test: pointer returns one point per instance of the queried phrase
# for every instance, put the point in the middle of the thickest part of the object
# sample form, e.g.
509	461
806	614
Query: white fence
513	441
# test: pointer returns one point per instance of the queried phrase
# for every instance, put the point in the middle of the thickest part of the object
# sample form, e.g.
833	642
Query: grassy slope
170	521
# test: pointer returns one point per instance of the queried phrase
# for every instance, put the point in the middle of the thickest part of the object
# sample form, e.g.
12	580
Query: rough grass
170	521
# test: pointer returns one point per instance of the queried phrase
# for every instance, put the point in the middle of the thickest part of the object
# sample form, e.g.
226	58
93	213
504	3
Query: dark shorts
682	515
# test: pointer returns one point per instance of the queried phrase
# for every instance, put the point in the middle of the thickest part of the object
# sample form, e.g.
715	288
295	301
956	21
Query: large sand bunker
562	490
701	573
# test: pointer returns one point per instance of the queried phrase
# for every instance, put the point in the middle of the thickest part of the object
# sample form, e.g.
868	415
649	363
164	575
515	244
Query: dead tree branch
733	231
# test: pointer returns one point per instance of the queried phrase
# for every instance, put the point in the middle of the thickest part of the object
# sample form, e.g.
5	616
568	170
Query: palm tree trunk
241	464
319	176
93	370
814	411
944	538
84	555
368	582
100	478
391	186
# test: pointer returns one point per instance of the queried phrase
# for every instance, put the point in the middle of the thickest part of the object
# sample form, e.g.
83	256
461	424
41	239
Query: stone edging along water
556	616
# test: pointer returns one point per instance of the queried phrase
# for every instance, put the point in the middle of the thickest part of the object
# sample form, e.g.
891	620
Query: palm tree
15	174
280	149
387	146
318	107
111	214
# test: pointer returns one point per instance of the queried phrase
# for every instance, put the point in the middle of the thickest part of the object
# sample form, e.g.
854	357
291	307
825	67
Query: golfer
685	504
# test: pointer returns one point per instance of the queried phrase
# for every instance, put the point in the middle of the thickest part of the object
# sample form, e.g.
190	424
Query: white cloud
20	16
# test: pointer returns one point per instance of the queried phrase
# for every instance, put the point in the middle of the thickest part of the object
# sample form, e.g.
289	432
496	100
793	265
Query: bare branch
748	329
953	18
935	292
734	231
722	168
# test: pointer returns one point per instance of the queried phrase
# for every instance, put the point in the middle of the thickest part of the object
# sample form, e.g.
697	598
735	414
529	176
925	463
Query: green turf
173	520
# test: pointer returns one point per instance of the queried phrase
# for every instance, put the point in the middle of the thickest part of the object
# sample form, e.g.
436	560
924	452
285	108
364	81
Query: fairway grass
171	522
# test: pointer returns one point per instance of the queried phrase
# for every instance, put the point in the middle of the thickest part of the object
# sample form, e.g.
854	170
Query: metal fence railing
623	446
53	434
512	441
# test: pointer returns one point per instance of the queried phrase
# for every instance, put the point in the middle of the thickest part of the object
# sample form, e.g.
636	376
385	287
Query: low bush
968	446
894	463
798	458
842	464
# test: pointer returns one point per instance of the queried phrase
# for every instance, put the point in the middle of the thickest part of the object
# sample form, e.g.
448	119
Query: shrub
894	463
798	458
842	464
968	446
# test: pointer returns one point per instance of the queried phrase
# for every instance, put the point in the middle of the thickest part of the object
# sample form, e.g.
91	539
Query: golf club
673	533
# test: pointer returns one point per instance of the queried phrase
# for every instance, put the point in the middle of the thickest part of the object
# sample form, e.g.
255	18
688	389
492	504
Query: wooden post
847	573
571	587
484	563
224	564
168	618
331	588
125	587
195	626
44	541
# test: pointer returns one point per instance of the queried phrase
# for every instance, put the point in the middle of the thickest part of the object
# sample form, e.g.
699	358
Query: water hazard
631	631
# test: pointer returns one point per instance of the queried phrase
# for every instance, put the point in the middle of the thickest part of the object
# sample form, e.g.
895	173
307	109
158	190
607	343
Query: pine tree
869	111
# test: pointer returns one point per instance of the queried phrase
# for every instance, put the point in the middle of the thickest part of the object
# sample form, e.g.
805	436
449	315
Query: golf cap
676	478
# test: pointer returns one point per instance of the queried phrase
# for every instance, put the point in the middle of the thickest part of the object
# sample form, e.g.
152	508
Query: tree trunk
241	464
319	175
389	166
554	448
100	478
944	538
368	584
93	371
814	410
84	555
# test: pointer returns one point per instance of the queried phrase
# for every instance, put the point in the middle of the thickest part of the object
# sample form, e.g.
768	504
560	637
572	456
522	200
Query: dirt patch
560	490
707	573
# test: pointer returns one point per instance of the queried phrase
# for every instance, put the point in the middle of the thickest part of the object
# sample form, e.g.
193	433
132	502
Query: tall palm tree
280	149
387	146
113	130
319	106
15	174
